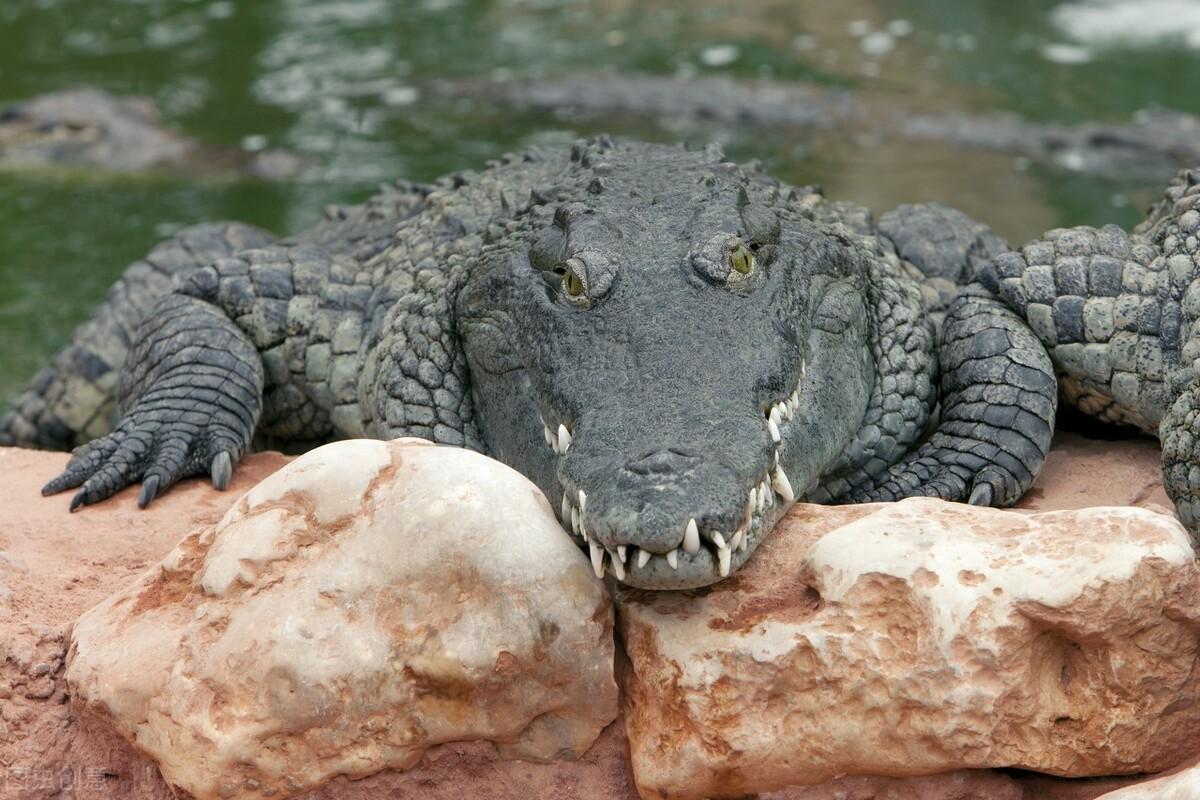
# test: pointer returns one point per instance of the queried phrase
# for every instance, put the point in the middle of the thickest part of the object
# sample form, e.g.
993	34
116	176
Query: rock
1183	784
916	638
365	602
55	566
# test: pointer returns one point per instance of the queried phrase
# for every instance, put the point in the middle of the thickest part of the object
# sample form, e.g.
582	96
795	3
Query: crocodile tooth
566	507
582	501
673	558
779	480
643	558
723	556
549	437
753	497
764	496
575	520
736	542
785	410
564	438
774	415
691	538
718	539
597	553
621	551
617	567
773	429
760	499
803	368
744	543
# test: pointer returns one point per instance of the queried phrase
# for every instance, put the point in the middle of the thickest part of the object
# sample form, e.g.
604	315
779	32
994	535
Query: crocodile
87	128
673	347
1151	145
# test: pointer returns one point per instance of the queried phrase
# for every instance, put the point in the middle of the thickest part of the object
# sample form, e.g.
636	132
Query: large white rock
365	602
917	638
1181	785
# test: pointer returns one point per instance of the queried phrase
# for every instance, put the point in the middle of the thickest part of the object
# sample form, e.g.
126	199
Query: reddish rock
1182	783
366	602
919	637
55	566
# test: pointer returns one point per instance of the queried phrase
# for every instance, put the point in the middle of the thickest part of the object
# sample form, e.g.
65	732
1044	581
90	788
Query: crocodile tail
53	412
74	400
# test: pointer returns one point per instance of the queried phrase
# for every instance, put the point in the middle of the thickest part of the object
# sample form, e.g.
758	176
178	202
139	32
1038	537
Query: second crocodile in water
672	347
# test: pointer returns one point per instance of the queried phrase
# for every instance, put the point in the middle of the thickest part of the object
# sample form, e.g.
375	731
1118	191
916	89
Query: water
339	82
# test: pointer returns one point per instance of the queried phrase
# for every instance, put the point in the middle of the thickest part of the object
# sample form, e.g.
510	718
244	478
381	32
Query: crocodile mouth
706	547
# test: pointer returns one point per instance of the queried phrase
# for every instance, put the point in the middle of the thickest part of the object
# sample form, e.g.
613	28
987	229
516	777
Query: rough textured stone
53	567
365	602
920	637
1183	784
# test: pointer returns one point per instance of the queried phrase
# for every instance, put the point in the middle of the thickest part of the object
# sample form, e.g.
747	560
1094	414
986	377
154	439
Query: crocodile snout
668	462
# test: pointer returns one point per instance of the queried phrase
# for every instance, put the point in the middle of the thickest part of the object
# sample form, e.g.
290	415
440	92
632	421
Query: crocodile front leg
267	341
74	399
998	402
989	377
191	399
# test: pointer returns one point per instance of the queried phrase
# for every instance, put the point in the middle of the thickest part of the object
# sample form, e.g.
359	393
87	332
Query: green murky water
335	81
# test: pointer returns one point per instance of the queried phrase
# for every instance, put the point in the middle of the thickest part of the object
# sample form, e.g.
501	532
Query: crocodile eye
586	278
740	258
572	281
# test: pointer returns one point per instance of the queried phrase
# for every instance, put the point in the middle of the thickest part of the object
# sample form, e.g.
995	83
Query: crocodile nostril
662	462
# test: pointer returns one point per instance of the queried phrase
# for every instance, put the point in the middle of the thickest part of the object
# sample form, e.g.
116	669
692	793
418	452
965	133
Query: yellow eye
572	282
741	259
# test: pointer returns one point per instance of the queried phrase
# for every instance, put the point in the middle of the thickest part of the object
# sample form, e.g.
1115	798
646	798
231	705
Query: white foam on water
720	55
1129	22
1061	53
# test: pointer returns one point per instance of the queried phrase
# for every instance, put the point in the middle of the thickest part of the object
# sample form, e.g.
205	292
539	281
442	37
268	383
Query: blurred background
346	85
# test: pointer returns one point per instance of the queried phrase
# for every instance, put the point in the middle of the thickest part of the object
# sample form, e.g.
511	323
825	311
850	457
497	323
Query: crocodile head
674	355
86	128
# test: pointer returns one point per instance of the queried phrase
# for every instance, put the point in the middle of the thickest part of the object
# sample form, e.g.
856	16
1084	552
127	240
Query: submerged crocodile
674	348
90	129
1152	145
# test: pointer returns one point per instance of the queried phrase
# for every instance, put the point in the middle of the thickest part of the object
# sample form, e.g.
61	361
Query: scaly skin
1119	314
672	347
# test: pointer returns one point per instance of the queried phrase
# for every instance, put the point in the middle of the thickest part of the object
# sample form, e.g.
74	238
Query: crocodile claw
222	470
149	490
982	495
